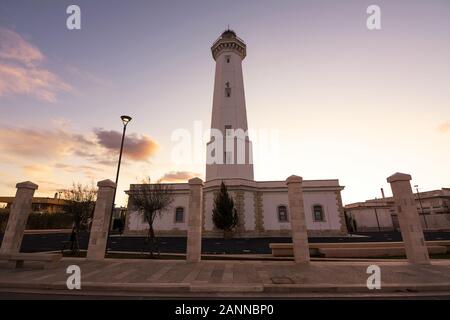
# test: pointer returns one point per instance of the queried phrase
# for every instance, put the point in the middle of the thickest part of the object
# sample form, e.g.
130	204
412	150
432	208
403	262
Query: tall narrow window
228	130
227	90
228	59
179	214
282	214
318	213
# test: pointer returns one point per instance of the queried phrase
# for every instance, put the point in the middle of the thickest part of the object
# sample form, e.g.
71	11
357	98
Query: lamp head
125	119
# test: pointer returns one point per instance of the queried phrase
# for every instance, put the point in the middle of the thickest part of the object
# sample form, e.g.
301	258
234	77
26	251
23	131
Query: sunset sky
348	103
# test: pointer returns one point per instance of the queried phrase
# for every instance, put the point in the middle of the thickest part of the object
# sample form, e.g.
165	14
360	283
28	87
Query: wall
245	202
366	219
163	223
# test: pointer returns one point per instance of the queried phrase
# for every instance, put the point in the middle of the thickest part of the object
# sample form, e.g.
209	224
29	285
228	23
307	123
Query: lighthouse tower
229	152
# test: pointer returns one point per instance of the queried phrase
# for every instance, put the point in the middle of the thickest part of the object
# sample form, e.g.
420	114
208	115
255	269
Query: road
51	242
59	296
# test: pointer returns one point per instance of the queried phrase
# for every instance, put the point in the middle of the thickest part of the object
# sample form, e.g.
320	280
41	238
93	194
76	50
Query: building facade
380	214
262	206
40	204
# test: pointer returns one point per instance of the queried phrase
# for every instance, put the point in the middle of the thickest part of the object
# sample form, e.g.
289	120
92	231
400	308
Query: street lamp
125	120
421	208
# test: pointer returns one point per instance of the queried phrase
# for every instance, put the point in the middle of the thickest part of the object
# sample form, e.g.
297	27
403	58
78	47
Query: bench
286	249
373	252
17	260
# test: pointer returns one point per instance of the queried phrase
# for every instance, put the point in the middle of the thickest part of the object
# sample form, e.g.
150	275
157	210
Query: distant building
40	204
380	214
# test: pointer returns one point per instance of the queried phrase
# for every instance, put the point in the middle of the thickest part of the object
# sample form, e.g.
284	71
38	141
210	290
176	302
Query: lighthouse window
228	130
227	90
228	59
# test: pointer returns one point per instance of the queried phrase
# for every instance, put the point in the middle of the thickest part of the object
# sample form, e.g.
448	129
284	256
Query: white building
380	214
262	206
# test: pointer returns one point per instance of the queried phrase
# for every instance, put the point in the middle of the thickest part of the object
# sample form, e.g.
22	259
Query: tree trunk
74	245
153	242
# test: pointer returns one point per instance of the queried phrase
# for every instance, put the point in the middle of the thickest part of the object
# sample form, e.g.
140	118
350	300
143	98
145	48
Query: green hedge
42	221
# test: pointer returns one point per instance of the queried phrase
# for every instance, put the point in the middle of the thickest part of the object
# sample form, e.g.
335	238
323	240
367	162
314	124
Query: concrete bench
373	252
17	260
445	243
285	249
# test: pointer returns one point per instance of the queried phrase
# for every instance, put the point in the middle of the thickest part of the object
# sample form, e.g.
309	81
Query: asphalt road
51	242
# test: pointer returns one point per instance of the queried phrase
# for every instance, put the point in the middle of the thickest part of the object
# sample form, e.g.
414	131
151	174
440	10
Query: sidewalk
174	278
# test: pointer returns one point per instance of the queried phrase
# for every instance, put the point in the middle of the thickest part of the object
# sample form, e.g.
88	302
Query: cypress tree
224	213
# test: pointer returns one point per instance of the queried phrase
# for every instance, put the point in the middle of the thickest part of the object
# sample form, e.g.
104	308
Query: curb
185	289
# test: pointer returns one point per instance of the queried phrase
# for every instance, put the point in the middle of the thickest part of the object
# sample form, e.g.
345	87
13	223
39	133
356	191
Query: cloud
178	176
86	76
136	147
41	144
444	127
74	168
14	48
20	70
58	153
36	170
101	147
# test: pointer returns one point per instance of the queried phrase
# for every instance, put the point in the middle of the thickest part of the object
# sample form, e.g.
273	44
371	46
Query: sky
346	102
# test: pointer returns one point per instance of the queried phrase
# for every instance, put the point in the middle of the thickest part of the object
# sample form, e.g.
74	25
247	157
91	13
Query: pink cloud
136	147
41	144
16	49
178	176
99	148
20	70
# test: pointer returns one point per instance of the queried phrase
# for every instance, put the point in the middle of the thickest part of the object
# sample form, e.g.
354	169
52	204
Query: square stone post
195	215
100	223
408	217
18	216
297	217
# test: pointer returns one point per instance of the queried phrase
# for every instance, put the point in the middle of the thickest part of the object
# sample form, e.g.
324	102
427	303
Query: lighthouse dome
228	34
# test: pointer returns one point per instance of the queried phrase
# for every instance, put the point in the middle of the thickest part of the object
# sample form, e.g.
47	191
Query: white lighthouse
229	153
262	206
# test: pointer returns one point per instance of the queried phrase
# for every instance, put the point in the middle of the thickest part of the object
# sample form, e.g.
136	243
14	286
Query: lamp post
421	208
125	121
376	216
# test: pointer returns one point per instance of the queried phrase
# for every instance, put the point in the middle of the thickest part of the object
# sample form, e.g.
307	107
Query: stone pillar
195	214
100	223
18	216
297	218
408	217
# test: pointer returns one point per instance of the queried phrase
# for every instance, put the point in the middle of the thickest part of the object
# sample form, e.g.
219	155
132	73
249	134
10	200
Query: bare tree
80	204
152	199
